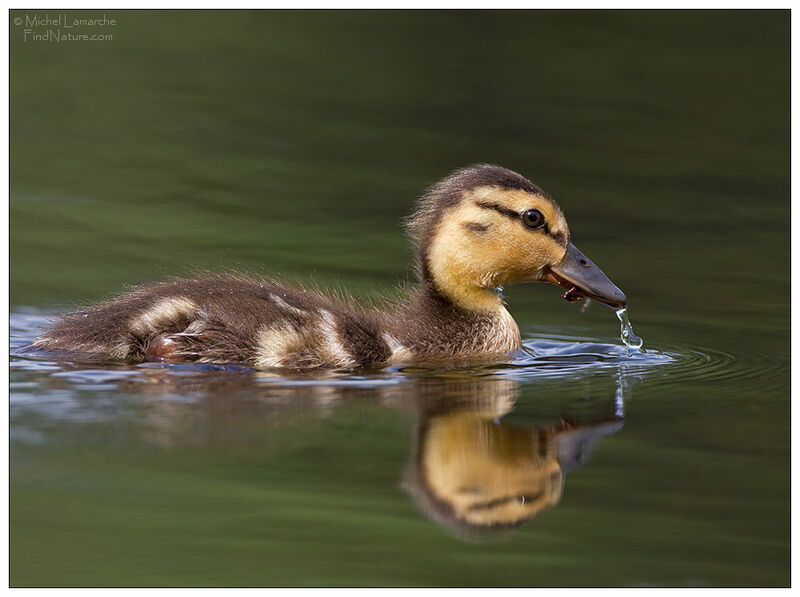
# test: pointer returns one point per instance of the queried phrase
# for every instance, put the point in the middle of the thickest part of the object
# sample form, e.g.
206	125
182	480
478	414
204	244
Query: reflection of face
473	473
490	474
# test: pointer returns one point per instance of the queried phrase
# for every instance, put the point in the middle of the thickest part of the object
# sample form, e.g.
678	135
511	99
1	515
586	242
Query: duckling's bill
583	279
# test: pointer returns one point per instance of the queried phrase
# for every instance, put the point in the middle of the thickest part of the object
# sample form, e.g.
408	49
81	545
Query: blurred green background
294	142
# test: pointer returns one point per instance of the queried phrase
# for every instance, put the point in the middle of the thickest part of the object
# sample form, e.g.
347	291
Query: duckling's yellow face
494	237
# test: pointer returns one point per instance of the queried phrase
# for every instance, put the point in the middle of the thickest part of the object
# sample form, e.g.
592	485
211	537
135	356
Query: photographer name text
60	27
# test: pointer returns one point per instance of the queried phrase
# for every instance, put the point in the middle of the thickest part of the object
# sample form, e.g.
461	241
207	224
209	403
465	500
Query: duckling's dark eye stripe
499	208
559	237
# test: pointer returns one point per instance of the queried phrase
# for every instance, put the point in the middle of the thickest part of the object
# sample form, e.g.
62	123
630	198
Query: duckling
480	228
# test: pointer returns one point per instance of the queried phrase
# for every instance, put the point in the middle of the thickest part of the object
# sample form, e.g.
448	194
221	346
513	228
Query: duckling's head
485	227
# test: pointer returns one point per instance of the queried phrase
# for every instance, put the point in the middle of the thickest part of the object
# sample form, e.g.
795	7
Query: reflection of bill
473	472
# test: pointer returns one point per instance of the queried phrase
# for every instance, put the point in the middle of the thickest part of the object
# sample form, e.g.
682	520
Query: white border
385	4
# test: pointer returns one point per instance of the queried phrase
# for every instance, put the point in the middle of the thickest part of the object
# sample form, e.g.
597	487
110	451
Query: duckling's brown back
223	319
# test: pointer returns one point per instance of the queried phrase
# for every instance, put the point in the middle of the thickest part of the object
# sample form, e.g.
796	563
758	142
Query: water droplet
630	339
586	304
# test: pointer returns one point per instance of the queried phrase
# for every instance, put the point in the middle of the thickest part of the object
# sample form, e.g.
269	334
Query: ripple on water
542	356
550	355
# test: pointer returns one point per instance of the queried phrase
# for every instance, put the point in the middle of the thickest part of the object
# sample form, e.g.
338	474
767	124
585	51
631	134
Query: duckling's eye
533	218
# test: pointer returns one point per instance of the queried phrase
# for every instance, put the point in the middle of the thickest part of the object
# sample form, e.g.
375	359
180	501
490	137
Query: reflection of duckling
472	473
490	474
479	229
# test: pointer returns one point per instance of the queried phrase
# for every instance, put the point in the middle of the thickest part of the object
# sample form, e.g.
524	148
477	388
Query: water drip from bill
630	339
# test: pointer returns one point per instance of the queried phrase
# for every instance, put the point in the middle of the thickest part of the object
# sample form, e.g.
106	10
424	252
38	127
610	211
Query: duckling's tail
121	329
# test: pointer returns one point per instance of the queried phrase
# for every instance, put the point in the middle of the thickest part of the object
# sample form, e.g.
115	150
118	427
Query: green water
294	142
